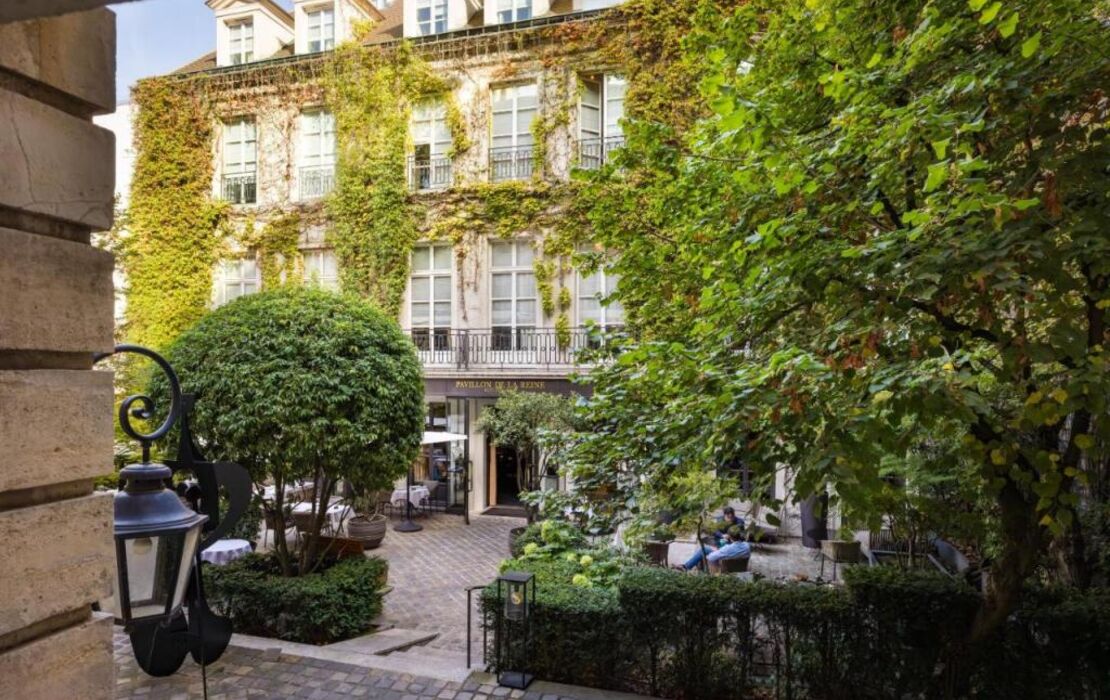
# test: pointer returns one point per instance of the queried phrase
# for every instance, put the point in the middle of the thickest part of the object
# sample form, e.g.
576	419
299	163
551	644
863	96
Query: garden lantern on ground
517	590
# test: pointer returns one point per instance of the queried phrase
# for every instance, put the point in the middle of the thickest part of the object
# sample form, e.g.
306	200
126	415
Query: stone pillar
56	183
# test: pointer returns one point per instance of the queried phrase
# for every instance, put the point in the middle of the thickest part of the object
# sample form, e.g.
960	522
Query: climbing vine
178	232
172	243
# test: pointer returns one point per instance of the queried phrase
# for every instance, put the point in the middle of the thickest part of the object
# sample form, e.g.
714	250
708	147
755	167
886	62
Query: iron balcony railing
594	153
316	181
429	173
503	347
240	188
510	163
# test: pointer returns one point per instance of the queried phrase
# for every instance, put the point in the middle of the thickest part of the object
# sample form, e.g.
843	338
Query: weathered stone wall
56	182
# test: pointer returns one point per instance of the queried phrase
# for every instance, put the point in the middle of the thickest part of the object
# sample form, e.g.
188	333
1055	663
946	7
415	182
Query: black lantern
517	591
159	538
156	543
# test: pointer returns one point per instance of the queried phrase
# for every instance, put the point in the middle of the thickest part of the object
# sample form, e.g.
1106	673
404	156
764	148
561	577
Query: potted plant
658	544
369	524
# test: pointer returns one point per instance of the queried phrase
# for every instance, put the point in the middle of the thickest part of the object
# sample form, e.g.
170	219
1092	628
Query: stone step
446	656
385	641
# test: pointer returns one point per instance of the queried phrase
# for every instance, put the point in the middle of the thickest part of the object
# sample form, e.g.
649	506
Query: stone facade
56	72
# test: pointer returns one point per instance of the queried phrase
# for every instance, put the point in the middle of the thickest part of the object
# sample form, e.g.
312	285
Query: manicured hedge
887	634
334	604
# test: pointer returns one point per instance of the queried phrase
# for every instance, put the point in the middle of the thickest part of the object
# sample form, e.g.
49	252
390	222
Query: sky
154	37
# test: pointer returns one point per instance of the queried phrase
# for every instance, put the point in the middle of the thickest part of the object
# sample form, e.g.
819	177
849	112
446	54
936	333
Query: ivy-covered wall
371	219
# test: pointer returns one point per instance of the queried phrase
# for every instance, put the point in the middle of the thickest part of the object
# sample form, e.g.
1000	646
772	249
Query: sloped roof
205	62
392	25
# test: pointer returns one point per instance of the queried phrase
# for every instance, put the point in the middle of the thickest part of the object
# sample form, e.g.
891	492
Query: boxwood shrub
886	634
338	602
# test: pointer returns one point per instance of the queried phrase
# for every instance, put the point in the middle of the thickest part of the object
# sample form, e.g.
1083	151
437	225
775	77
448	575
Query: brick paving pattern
431	569
245	673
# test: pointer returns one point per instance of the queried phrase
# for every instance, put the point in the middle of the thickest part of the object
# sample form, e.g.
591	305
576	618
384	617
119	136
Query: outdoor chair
732	565
269	524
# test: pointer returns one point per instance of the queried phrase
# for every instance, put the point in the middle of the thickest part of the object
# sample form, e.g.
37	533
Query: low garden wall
334	604
886	634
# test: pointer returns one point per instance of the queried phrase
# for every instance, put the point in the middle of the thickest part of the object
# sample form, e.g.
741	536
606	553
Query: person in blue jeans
734	546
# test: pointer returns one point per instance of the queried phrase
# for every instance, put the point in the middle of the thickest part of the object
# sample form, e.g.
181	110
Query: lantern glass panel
157	568
516	604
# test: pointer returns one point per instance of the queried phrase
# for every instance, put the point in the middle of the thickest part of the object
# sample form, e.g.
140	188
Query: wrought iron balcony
503	347
316	181
594	153
240	188
429	173
510	163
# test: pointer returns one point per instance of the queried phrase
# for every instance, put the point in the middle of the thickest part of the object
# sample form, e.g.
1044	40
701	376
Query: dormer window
513	10
321	29
431	16
241	42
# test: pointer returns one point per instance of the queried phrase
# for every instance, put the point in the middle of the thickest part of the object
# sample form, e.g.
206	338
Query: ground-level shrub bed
337	602
887	634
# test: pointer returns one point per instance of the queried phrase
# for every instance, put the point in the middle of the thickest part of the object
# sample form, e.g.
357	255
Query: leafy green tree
892	226
530	423
303	384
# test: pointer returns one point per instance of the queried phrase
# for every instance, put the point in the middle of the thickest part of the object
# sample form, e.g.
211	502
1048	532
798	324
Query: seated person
729	520
734	546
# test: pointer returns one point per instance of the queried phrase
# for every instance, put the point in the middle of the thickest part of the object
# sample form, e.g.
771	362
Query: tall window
601	107
513	294
431	16
317	174
321	29
431	167
592	290
237	278
321	269
241	42
430	304
514	109
513	10
240	161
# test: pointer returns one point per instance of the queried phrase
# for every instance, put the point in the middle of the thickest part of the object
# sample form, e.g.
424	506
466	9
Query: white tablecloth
225	551
336	513
419	495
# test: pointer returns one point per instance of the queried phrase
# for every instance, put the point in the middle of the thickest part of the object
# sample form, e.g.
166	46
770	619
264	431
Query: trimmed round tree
299	383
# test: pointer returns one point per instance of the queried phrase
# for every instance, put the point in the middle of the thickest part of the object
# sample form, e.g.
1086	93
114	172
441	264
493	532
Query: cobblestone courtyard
246	673
431	569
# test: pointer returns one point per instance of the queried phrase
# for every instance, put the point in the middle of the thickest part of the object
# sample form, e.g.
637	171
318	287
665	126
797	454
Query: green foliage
536	425
171	245
336	603
887	633
558	552
371	91
298	383
276	245
889	231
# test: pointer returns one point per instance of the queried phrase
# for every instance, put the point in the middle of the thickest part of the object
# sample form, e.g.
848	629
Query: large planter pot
368	530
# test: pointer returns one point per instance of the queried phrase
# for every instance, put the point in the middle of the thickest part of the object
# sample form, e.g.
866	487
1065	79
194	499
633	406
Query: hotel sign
481	387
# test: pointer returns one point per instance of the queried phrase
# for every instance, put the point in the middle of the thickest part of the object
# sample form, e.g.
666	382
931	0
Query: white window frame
515	271
518	136
321	269
431	142
513	11
431	275
243	132
321	28
437	17
240	41
318	124
611	314
232	274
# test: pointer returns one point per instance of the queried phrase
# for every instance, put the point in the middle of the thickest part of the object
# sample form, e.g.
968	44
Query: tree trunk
1022	545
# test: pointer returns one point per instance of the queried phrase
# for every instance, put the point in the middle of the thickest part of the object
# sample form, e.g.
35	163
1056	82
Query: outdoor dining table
336	513
225	551
418	495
